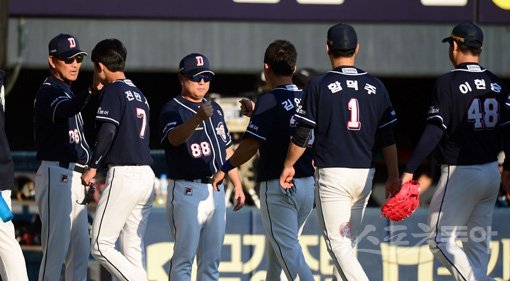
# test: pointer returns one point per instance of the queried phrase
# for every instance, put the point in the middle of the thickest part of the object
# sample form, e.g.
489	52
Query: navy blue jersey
205	151
125	106
58	125
346	107
272	123
469	104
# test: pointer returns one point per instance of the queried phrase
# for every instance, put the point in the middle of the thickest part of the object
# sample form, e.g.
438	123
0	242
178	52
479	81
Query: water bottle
5	211
163	187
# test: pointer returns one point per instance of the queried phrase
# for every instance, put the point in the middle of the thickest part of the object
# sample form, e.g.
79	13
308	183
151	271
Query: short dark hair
110	52
465	48
281	56
342	53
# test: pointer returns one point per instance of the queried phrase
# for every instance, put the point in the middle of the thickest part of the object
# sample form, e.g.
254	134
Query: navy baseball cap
194	64
466	33
342	37
64	46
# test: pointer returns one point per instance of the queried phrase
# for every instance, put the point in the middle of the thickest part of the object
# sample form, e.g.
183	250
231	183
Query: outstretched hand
247	107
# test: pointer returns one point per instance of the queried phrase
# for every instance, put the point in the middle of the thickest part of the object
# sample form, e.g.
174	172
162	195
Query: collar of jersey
469	66
194	105
348	70
57	82
288	87
125	81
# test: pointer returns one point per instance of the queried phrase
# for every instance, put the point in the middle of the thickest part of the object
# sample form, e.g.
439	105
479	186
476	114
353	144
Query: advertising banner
387	251
262	10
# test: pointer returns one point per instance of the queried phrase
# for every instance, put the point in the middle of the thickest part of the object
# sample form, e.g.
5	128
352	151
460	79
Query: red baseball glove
402	204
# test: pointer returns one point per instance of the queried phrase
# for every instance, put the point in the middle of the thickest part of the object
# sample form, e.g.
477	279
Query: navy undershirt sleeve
429	140
104	140
302	135
385	136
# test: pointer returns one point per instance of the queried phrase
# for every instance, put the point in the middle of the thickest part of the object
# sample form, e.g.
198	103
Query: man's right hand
205	111
247	107
287	176
96	86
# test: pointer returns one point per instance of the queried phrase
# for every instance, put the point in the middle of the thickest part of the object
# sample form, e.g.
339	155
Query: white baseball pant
283	214
64	231
462	208
12	262
122	214
341	197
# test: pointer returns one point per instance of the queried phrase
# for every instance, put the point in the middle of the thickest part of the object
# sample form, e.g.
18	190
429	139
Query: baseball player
122	145
12	262
469	111
283	212
63	152
347	108
196	142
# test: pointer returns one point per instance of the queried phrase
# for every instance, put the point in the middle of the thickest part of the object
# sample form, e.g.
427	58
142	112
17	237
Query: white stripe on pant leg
338	189
114	209
443	248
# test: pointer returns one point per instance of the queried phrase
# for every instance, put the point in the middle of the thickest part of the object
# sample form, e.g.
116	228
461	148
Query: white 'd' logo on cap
72	43
200	60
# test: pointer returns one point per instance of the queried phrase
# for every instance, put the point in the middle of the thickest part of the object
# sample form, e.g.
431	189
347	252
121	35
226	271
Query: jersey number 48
484	114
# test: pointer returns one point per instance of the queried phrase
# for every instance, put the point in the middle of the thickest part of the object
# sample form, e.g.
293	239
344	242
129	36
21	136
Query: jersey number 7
140	113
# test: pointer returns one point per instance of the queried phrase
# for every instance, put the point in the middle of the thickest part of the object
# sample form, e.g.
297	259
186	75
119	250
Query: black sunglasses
198	77
78	58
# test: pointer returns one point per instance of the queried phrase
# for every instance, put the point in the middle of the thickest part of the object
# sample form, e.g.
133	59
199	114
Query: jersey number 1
353	123
484	115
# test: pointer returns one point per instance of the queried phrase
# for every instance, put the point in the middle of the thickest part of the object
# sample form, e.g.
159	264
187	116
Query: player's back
469	102
124	105
273	124
350	106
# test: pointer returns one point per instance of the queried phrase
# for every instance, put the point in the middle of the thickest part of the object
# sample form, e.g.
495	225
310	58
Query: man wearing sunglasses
63	152
196	142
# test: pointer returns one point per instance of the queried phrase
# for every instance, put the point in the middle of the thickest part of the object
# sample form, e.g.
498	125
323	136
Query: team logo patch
188	191
495	87
345	229
220	130
101	111
433	110
64	178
